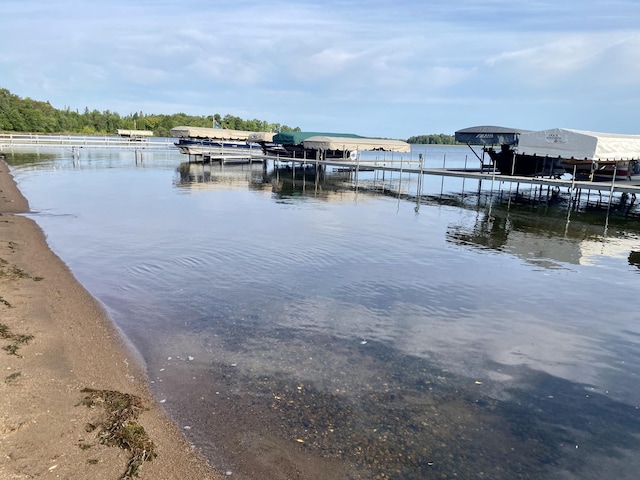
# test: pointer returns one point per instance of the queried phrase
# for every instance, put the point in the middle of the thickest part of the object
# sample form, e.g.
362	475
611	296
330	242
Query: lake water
362	327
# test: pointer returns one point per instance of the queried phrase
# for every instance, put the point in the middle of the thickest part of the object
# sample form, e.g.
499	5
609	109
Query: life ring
353	155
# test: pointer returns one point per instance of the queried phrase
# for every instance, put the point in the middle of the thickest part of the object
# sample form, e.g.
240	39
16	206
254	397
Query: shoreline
56	340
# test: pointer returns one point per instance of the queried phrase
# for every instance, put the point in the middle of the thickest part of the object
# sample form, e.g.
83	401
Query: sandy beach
74	400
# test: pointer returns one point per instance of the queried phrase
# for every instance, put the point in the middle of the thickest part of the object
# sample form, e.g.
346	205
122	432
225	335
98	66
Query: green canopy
296	138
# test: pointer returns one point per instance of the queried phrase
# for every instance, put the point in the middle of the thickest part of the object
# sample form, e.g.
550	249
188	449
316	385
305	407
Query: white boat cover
354	144
211	133
265	137
134	133
579	144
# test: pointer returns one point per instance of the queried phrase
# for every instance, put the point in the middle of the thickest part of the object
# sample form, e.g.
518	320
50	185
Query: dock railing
20	140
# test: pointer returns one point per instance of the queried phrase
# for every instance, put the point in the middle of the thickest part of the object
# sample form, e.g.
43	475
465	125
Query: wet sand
55	341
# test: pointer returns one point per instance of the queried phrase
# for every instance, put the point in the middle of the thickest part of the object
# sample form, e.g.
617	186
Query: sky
378	68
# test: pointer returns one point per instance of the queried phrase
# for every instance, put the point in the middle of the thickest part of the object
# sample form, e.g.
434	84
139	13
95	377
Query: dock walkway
399	163
10	141
414	167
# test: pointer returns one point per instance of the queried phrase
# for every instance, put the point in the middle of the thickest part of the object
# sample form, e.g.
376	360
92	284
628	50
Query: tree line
26	115
433	139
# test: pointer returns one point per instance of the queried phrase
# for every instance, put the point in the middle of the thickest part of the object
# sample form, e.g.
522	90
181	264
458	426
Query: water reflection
549	235
313	325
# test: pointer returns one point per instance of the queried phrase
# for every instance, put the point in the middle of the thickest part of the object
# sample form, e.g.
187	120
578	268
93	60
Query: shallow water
334	327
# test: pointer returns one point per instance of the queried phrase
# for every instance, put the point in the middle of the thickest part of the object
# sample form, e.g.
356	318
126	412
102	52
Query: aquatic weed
12	378
17	340
12	272
120	428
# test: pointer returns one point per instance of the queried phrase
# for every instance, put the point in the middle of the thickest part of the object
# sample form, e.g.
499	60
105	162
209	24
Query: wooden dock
415	167
398	163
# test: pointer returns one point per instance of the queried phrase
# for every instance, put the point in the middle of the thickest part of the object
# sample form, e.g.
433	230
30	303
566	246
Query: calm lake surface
342	327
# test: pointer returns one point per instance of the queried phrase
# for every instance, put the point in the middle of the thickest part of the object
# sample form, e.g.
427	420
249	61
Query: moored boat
134	135
500	144
204	141
323	146
554	152
589	155
291	145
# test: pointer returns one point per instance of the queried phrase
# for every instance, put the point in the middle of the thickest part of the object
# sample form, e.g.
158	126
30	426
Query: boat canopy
319	142
296	138
579	144
134	133
489	135
210	133
261	137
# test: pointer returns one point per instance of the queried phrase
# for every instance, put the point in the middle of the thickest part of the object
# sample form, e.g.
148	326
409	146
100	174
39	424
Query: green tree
27	115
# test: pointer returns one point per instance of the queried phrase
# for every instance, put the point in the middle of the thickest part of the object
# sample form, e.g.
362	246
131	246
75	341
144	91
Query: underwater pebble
187	427
190	358
228	473
363	342
169	358
163	400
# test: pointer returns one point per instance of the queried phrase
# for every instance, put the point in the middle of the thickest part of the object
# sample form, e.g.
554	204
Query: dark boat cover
296	138
489	135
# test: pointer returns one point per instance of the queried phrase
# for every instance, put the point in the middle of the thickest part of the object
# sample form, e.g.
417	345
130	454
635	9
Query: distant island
26	115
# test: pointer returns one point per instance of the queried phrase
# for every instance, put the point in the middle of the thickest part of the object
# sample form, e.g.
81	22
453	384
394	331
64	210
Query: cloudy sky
380	68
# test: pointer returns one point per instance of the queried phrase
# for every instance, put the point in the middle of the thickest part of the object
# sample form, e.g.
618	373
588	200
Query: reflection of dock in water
196	176
411	180
546	235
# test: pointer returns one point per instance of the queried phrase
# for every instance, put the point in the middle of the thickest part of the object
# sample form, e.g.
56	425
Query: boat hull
207	147
508	162
302	153
602	170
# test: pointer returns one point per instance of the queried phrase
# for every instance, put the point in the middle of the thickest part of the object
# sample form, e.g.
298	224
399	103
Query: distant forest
434	139
26	115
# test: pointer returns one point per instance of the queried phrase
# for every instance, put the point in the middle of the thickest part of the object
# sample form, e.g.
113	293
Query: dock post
613	182
400	182
444	163
419	185
464	178
357	172
293	173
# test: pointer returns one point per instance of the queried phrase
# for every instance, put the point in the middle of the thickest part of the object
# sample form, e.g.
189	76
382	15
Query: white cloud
328	57
586	59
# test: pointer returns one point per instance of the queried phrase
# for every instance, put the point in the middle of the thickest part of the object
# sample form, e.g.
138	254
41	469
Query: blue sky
378	68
